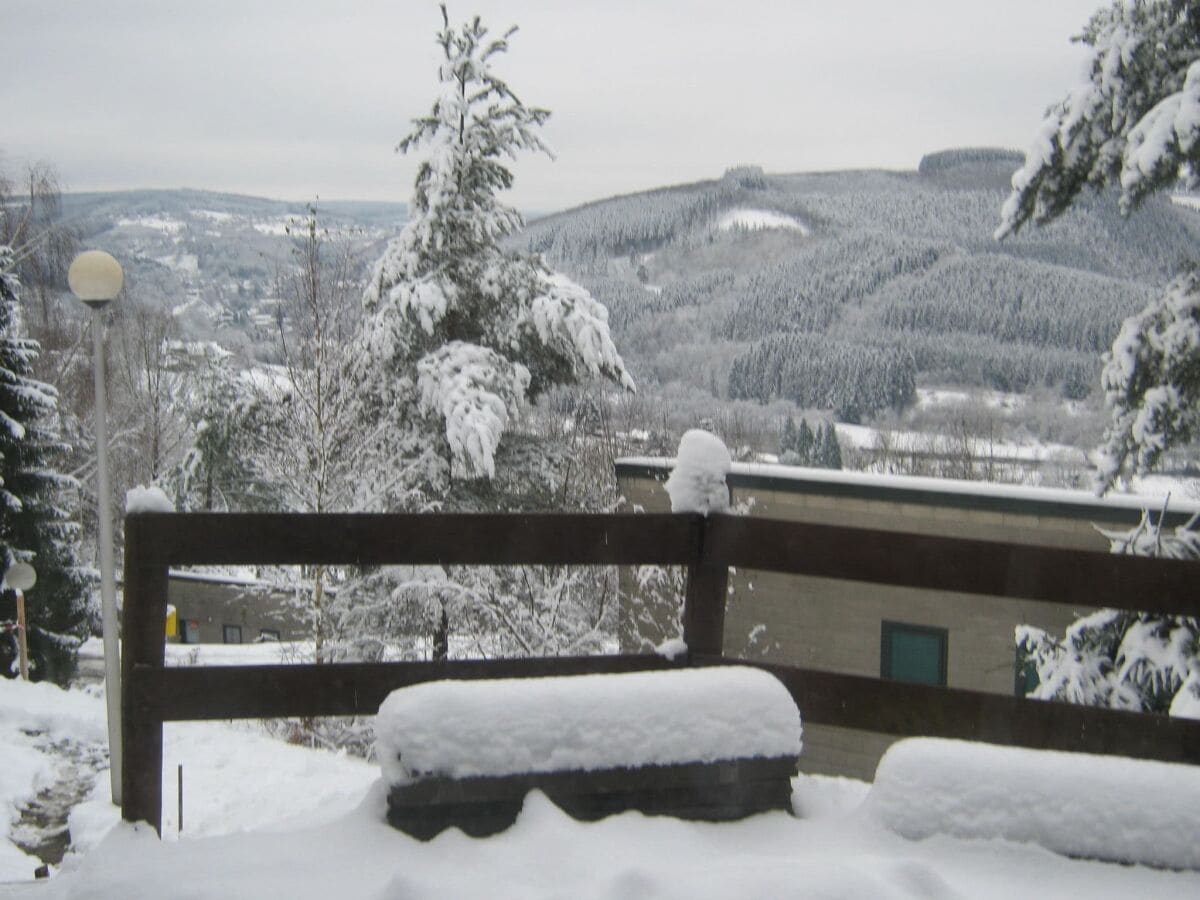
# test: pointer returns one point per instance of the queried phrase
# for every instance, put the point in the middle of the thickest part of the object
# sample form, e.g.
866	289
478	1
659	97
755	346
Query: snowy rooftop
1083	500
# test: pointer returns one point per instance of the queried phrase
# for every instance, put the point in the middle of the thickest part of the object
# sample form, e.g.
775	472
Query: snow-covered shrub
1122	659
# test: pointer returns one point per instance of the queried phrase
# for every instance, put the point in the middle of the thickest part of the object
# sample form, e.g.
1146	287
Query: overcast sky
302	98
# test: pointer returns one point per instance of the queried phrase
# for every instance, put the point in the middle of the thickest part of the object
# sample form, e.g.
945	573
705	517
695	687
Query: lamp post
96	279
20	577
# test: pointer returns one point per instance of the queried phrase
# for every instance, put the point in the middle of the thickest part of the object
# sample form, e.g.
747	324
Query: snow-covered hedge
584	722
1099	807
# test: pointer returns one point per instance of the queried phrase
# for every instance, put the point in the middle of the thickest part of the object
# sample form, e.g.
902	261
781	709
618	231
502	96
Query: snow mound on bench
1077	804
584	722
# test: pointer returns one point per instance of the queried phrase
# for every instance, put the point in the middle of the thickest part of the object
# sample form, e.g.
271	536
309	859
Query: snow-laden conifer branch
1151	382
1133	120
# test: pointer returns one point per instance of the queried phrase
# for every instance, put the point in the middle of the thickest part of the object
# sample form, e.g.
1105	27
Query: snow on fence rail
707	546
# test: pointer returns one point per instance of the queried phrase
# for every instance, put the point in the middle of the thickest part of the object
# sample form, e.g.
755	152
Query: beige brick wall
836	625
213	606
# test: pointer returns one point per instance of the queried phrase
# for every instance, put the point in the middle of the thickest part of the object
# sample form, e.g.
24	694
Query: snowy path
42	830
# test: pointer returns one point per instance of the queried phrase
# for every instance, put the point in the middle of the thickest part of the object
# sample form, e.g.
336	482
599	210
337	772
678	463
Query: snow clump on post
147	499
697	483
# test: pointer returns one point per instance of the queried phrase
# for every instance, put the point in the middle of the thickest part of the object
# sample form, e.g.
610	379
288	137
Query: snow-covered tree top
1134	118
475	329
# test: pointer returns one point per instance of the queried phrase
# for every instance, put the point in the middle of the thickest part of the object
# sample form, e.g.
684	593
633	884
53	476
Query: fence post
143	631
704	601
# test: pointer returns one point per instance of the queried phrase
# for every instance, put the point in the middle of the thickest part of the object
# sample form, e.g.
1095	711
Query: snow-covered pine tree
35	525
787	441
458	333
1134	122
218	471
1122	659
1151	382
831	450
804	443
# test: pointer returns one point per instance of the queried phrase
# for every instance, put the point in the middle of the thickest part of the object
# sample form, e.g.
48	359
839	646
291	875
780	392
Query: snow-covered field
165	224
263	818
759	219
867	438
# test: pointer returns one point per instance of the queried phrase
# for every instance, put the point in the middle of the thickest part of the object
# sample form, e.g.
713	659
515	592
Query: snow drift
1098	807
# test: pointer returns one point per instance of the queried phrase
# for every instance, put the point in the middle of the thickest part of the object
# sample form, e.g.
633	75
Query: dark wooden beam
1081	578
704	597
143	628
890	707
333	689
441	539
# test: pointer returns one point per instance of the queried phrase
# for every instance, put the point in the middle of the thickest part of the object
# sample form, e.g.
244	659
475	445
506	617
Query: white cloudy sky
298	98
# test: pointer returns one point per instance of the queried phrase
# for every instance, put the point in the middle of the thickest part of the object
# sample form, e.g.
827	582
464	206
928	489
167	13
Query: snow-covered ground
165	224
759	219
868	438
263	818
187	263
91	653
275	227
999	400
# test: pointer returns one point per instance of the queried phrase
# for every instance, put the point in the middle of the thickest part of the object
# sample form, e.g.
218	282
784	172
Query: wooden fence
154	542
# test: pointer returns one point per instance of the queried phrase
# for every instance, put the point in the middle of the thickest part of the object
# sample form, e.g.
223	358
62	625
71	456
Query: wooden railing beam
186	693
483	539
1079	578
896	708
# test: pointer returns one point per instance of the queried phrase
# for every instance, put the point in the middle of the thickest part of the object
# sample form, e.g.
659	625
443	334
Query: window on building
268	634
913	653
233	634
1026	673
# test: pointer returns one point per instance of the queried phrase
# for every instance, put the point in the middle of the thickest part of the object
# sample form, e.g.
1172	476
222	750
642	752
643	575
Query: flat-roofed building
875	630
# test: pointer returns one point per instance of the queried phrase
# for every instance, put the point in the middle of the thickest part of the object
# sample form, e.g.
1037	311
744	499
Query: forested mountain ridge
877	278
886	278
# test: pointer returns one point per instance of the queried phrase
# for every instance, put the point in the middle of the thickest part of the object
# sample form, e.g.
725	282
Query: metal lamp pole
96	279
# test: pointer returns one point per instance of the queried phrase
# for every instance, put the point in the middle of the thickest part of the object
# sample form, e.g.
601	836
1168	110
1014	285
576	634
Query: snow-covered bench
1130	811
708	743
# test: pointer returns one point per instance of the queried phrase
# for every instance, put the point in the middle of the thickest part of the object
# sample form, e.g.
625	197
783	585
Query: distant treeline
814	371
806	293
